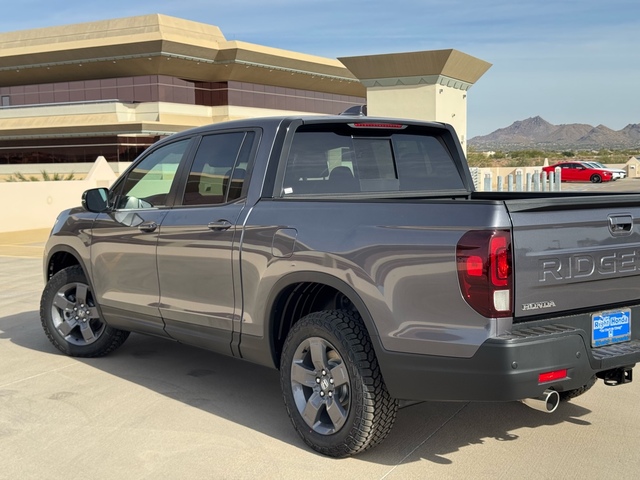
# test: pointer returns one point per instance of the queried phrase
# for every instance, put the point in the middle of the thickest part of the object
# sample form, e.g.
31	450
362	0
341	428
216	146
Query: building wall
163	88
451	107
436	102
403	101
35	205
120	117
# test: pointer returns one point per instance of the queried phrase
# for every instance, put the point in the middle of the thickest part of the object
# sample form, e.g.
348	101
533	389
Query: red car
579	172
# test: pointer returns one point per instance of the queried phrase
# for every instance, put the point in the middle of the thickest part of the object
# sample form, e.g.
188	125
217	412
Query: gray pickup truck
352	254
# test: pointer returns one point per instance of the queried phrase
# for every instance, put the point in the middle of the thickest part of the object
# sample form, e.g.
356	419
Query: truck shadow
249	395
433	431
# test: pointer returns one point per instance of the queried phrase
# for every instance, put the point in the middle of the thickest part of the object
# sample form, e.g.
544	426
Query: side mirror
96	200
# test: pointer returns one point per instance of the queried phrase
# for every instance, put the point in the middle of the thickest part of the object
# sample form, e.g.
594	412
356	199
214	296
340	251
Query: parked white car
617	172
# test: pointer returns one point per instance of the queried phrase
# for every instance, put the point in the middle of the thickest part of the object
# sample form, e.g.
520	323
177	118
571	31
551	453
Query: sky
568	61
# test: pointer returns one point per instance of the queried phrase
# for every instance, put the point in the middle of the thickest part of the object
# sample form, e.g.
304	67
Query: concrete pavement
159	410
629	185
25	244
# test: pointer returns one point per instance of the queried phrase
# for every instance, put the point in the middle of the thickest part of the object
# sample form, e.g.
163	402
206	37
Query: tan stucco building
111	88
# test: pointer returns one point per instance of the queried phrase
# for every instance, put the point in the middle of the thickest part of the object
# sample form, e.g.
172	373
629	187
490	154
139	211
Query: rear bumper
506	368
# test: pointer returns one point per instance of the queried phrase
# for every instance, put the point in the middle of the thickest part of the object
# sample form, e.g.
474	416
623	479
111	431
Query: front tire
332	386
596	178
71	319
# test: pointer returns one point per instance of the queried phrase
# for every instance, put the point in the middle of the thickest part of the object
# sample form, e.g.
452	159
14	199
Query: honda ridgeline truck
352	254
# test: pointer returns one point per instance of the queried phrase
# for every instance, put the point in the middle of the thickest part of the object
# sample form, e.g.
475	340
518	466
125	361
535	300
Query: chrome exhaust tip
547	403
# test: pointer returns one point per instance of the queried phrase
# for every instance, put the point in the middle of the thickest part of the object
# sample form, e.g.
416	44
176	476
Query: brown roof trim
147	45
450	63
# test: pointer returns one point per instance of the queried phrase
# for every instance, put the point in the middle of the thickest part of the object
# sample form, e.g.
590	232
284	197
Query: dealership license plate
613	326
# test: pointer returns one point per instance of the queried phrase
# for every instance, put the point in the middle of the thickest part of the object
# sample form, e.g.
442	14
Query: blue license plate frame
611	326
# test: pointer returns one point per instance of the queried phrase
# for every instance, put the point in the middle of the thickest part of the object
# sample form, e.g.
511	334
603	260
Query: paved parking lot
156	409
630	185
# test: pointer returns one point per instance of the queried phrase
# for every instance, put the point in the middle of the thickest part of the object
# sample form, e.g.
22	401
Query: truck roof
274	121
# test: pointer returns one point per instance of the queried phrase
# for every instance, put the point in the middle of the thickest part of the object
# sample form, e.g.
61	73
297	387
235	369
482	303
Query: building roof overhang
449	63
160	45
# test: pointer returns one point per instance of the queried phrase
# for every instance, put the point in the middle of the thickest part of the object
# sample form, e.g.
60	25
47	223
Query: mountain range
536	132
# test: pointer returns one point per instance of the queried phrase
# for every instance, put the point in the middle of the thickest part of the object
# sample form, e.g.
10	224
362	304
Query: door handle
148	227
219	226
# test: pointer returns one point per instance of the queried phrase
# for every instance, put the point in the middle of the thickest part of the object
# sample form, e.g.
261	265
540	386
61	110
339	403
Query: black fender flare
63	248
325	279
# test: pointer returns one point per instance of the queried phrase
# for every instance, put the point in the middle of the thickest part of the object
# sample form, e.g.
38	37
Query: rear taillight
485	273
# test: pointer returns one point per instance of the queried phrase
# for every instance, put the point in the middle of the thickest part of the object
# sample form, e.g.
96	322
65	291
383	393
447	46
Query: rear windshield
341	159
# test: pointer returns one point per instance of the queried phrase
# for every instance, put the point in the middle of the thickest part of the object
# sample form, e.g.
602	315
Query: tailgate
575	254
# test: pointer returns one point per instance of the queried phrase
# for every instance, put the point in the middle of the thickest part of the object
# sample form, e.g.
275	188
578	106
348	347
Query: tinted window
148	184
346	160
424	163
218	171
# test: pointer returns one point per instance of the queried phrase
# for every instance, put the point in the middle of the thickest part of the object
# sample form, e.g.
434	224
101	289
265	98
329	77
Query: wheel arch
301	293
60	257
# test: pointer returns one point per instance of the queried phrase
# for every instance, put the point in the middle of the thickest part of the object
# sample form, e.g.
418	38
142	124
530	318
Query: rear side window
346	160
219	167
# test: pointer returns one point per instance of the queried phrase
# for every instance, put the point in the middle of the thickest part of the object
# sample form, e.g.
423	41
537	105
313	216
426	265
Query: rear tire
596	178
71	319
333	390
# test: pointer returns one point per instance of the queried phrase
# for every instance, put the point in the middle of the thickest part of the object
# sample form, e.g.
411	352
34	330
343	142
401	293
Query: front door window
149	183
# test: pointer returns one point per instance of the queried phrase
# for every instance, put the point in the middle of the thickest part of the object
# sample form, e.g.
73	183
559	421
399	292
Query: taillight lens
377	125
500	261
485	271
552	376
